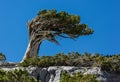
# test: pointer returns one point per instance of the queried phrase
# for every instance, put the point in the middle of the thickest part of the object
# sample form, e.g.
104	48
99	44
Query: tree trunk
33	48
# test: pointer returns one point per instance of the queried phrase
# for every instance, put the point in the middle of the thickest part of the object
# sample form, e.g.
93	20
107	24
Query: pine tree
50	24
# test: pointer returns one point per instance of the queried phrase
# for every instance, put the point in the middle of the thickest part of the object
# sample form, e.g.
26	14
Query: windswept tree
48	24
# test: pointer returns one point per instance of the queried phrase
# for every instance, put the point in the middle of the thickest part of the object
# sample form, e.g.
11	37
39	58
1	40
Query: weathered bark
36	35
49	24
33	48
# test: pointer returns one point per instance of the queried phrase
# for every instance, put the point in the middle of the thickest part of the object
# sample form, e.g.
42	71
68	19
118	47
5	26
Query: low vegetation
16	76
106	62
78	77
23	76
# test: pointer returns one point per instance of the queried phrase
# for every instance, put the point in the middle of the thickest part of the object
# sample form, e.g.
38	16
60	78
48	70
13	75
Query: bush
31	61
109	63
16	76
2	57
78	77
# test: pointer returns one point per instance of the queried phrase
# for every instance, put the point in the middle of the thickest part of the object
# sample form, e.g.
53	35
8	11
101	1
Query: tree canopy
48	24
52	23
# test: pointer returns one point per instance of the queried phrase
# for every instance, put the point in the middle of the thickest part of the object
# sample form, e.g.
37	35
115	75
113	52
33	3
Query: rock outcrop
53	73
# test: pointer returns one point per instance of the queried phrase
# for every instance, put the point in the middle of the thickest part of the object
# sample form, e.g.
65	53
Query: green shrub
31	61
78	77
109	63
2	57
16	76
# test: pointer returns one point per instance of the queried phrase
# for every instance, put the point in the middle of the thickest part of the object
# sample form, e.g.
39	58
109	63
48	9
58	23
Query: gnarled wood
48	25
33	48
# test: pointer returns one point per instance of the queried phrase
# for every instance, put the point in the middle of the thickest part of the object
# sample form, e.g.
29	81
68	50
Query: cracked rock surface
53	73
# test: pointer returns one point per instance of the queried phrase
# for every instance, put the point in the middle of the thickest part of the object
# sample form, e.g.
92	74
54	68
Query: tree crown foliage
51	23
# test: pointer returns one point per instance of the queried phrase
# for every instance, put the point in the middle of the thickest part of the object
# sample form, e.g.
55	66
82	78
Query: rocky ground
53	73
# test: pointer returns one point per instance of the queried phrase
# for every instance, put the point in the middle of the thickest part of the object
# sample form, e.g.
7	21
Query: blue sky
101	15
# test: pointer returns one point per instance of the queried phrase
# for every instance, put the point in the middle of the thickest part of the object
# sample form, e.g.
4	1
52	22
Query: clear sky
101	15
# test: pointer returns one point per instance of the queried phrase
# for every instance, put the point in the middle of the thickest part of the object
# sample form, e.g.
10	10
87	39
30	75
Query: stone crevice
53	73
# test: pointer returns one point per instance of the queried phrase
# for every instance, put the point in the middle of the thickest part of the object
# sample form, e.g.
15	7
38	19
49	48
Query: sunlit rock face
53	73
